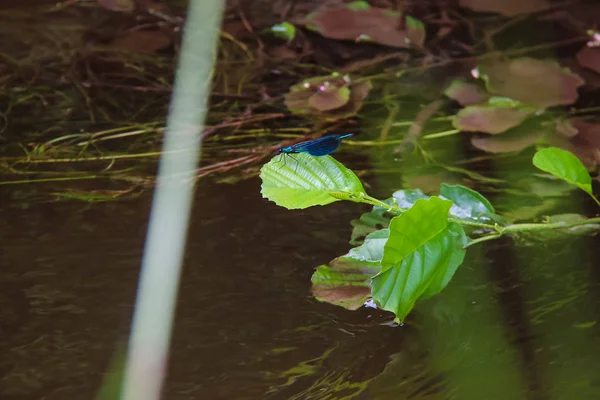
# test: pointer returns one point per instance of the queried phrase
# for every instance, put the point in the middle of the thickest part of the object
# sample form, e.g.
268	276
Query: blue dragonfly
318	147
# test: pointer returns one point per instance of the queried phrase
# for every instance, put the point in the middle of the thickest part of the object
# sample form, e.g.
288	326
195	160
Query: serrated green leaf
414	228
302	180
372	249
563	165
424	272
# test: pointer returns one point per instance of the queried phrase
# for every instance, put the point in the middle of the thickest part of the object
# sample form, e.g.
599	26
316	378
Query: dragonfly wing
324	146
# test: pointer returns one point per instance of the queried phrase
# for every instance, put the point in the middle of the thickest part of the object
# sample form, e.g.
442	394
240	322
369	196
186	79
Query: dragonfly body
318	147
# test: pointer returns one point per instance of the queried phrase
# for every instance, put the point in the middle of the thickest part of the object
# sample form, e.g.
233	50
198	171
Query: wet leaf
506	7
302	180
563	165
346	281
534	82
407	198
284	30
589	57
493	118
467	204
329	97
466	93
420	257
360	22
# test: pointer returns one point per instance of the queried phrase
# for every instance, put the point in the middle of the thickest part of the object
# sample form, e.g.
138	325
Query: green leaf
407	198
428	268
284	30
564	165
467	203
414	228
358	5
372	249
302	180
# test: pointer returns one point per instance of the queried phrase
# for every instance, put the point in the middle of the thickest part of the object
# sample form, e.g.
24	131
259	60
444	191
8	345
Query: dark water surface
519	321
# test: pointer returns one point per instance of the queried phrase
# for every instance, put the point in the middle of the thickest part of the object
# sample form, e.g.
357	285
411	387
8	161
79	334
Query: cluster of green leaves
414	243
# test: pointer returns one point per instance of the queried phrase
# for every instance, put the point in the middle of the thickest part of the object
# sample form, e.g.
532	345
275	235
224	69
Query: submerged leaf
358	21
534	82
490	118
302	181
466	93
564	165
513	140
420	257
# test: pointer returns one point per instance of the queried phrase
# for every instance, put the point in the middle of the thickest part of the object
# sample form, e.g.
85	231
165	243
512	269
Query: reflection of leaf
420	257
306	181
489	118
589	57
466	93
358	20
568	219
506	7
329	97
564	165
531	81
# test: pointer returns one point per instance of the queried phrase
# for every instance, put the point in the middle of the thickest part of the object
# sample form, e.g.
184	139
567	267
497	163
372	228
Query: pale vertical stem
165	241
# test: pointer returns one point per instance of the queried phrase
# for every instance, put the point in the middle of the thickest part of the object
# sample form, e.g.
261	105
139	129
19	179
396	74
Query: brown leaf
531	81
328	97
506	7
589	57
367	24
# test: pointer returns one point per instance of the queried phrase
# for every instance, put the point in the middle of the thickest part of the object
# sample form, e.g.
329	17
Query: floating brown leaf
329	97
531	81
359	22
506	7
